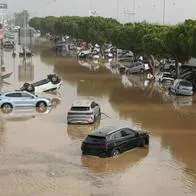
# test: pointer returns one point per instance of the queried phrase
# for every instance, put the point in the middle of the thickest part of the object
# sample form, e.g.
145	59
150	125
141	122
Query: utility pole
164	12
117	9
131	12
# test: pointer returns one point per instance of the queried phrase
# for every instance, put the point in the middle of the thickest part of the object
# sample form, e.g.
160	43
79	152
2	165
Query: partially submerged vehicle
83	112
8	44
137	67
51	83
164	77
182	87
15	99
111	141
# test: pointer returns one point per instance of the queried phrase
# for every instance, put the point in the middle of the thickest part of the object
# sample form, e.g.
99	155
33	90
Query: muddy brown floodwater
40	154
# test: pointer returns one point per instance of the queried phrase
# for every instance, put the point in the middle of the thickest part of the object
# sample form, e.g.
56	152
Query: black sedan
111	141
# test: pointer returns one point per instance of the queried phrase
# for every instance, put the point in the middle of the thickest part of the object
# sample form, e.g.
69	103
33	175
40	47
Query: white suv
83	112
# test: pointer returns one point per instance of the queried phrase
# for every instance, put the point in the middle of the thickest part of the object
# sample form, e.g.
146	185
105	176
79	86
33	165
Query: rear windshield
80	108
184	83
96	139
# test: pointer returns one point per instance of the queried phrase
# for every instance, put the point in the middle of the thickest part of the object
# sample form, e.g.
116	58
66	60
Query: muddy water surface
40	154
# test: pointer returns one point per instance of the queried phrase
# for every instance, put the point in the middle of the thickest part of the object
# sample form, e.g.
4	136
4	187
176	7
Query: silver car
83	112
13	99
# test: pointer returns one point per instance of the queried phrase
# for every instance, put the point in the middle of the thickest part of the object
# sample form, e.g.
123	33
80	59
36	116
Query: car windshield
96	139
167	75
74	108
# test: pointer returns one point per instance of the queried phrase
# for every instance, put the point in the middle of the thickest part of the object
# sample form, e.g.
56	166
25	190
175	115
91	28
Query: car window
128	132
80	108
26	95
96	139
117	135
13	95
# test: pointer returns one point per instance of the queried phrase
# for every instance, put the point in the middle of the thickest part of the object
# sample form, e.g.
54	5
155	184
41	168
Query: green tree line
171	41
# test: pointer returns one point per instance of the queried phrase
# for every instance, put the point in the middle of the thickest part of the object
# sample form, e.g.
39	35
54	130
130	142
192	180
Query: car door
28	99
14	98
118	141
130	138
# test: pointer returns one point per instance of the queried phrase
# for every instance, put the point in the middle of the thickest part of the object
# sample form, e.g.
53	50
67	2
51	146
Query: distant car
111	141
182	87
83	112
164	77
84	53
8	44
126	56
138	67
13	99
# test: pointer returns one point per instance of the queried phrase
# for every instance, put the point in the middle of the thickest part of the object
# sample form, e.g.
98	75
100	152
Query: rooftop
105	131
82	103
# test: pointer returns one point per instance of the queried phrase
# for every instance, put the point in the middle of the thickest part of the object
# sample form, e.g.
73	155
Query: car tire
142	143
141	70
41	105
115	152
30	88
41	109
7	108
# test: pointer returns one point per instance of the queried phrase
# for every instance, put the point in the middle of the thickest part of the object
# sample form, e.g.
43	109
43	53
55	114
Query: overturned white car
51	83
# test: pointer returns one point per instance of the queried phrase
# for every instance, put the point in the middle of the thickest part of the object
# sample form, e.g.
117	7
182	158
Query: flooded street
40	154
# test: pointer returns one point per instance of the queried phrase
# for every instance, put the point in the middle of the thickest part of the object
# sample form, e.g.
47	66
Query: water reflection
26	71
134	81
23	114
184	105
92	65
79	132
115	164
2	135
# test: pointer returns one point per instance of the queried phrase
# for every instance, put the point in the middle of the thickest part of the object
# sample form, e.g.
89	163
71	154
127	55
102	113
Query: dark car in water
111	141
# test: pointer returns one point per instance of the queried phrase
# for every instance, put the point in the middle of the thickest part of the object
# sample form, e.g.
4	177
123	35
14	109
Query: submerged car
138	67
164	77
111	141
51	83
182	87
13	99
83	112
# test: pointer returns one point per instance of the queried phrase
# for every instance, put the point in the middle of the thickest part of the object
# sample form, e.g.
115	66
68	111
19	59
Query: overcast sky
150	10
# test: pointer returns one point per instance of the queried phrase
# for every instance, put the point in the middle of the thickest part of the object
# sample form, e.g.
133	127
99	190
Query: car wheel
30	88
7	108
141	70
115	152
41	105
